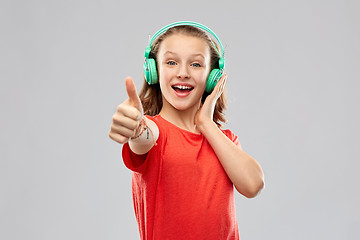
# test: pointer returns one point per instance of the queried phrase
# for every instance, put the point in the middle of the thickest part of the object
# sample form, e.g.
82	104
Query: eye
171	62
196	65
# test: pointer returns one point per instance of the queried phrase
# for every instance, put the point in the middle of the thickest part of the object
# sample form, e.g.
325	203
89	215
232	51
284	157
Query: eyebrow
193	55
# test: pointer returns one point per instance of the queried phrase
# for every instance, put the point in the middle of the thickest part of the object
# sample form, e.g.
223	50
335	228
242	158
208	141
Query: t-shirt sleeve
231	136
132	160
139	163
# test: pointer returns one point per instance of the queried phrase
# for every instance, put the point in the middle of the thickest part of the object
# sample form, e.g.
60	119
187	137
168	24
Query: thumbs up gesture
126	120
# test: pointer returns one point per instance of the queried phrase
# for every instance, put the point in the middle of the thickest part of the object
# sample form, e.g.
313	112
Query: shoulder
154	122
231	135
156	127
155	118
160	123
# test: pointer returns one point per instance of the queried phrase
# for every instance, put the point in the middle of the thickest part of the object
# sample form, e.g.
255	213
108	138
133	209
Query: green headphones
150	70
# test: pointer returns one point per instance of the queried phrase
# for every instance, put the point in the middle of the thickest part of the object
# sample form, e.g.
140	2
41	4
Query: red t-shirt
180	190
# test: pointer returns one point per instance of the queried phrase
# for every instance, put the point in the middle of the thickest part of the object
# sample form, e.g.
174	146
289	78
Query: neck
184	119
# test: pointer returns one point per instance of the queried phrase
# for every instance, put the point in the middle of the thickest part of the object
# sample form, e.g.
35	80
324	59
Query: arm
146	140
243	170
126	123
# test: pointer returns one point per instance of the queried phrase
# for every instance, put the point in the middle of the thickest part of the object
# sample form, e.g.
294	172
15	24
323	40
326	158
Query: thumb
131	91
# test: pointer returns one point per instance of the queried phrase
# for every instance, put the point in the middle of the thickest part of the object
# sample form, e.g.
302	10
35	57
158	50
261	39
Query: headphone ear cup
150	71
213	79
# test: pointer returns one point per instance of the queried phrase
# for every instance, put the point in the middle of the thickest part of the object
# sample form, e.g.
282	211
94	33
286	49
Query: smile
182	90
182	87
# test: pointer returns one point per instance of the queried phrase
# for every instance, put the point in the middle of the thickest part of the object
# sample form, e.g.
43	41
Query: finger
222	86
128	111
130	123
131	91
118	138
123	131
219	88
222	82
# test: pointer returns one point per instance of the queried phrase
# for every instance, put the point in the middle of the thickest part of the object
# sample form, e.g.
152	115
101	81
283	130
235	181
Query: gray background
293	92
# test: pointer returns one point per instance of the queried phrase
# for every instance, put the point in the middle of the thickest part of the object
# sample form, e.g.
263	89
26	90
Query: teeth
183	87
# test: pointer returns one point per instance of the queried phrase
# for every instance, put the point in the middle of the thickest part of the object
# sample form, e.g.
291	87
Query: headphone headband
185	23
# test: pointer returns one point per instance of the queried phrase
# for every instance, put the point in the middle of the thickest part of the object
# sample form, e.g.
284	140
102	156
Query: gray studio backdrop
293	92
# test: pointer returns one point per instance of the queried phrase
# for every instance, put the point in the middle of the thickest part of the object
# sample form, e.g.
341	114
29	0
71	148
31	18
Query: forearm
243	170
146	140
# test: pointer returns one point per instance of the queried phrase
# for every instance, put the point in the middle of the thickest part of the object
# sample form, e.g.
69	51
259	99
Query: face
184	65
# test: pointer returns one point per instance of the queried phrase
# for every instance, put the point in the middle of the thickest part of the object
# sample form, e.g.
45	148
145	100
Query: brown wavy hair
150	95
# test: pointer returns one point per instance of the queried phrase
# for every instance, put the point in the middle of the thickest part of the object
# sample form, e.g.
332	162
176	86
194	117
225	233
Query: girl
185	166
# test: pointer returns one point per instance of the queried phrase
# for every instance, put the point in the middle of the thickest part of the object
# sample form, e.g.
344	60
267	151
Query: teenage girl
184	165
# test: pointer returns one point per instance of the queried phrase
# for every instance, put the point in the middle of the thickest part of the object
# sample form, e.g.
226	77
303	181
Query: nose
183	71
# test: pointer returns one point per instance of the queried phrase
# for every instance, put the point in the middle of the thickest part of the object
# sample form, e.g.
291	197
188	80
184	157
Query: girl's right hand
126	120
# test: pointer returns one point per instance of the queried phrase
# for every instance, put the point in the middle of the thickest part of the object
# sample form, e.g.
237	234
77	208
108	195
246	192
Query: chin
180	107
183	107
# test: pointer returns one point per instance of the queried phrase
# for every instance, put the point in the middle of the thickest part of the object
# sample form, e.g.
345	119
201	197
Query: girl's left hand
206	111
